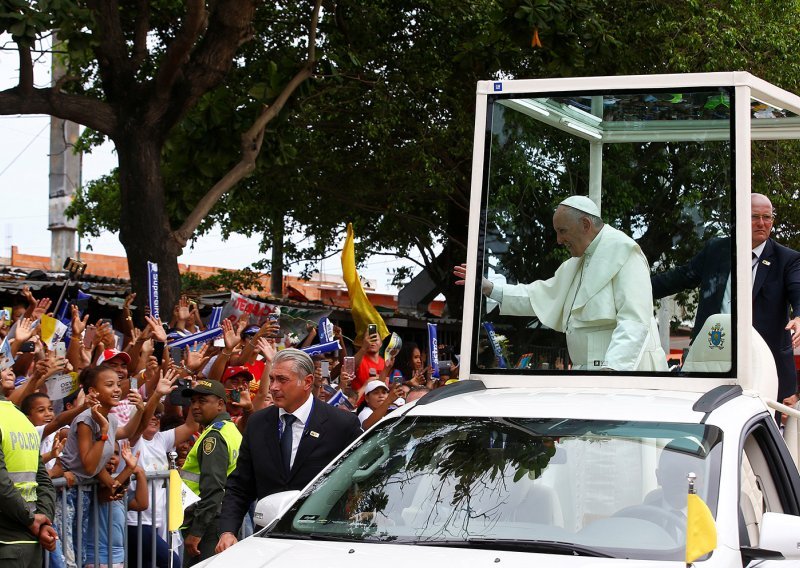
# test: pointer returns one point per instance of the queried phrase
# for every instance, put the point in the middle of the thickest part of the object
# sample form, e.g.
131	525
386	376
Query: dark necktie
286	442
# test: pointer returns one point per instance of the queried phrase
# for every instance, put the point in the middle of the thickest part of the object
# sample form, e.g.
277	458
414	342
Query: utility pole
65	177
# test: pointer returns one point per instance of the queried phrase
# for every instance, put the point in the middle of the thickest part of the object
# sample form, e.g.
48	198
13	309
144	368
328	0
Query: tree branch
305	72
89	112
111	52
141	28
25	70
252	140
180	48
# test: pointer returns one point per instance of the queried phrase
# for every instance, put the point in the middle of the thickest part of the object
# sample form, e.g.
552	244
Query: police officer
27	496
210	461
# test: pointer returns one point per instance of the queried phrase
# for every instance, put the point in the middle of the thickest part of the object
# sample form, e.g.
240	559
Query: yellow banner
362	310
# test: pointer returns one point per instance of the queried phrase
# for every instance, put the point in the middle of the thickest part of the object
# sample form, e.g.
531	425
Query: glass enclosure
618	293
597	488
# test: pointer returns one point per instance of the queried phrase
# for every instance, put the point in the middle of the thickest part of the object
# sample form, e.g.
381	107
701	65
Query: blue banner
201	337
433	350
498	352
340	400
64	314
325	330
215	318
152	281
321	348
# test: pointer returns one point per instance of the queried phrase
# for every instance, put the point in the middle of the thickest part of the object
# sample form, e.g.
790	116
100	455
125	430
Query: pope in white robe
600	298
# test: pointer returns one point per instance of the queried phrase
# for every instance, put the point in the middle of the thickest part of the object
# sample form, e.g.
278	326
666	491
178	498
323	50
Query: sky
24	147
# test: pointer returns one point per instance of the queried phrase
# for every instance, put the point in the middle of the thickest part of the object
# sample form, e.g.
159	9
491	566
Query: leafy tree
135	71
222	281
382	136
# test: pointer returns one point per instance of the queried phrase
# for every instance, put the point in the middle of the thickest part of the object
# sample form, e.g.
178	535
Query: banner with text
293	320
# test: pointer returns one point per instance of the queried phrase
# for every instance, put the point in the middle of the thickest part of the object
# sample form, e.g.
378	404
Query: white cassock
603	301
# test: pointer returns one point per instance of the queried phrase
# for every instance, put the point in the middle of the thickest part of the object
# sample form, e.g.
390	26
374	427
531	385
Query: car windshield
605	488
567	289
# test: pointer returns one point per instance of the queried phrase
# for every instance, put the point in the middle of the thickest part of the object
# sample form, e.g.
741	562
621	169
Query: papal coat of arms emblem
716	337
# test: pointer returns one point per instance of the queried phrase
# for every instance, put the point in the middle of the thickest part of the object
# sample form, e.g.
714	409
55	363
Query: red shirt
362	373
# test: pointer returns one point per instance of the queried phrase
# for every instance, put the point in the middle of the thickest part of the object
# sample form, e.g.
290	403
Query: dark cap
205	386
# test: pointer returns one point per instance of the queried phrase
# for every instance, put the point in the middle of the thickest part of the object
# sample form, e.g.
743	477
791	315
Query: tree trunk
276	276
145	230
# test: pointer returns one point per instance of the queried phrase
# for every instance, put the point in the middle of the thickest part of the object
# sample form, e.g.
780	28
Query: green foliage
382	137
97	205
224	280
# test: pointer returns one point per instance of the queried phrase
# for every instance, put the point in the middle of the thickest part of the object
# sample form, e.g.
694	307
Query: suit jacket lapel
768	254
309	441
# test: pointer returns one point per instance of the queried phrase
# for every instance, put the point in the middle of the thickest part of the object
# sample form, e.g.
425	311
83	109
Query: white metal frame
592	129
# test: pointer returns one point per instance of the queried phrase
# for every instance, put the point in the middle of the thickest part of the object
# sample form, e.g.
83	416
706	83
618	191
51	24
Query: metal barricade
64	519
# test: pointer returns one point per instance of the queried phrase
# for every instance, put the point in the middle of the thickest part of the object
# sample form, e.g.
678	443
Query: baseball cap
372	385
109	354
231	372
205	386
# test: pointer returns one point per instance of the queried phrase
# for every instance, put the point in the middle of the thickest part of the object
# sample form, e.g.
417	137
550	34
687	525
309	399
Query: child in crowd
111	504
153	446
92	439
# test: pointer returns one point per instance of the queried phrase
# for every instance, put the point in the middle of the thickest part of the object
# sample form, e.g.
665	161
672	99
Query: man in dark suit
286	445
776	290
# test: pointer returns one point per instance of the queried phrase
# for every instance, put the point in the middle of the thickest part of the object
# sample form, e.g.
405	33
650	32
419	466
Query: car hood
257	552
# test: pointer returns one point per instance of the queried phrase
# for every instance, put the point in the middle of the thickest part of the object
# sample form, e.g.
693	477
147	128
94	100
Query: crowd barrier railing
72	542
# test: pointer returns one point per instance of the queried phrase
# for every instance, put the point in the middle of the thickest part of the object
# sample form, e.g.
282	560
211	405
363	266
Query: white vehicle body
597	492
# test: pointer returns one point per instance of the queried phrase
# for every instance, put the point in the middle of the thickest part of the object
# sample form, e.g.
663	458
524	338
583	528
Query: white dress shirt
299	425
725	308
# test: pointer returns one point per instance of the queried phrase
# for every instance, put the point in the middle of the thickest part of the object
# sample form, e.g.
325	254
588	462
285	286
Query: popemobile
595	424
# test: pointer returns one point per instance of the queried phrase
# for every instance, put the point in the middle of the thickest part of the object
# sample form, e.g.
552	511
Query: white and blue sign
152	281
433	350
498	351
325	330
498	86
320	348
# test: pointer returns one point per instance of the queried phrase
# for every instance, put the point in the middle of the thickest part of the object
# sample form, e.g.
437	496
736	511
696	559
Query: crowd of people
134	402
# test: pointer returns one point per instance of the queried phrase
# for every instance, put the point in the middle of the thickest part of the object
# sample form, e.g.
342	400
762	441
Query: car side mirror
271	507
781	533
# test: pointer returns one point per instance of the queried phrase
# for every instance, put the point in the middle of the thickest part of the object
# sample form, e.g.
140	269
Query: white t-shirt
47	444
364	414
153	458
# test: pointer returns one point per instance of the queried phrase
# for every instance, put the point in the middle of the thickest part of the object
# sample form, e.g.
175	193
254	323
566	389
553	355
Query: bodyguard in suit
286	445
776	290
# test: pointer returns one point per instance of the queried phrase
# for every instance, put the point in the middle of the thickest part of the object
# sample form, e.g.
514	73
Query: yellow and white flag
175	501
701	532
363	312
51	330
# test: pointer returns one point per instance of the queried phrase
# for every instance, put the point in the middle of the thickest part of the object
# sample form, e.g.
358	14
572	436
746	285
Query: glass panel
597	487
569	290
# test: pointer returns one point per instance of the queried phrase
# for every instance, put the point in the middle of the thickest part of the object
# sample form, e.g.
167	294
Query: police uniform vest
21	446
190	472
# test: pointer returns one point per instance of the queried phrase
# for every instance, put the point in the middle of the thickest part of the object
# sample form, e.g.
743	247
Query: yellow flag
175	503
362	311
701	532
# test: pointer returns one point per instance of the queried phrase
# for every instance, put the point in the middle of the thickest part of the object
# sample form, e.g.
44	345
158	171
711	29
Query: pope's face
573	234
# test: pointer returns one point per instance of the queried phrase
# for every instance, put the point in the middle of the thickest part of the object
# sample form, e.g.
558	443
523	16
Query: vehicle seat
539	506
749	519
711	349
